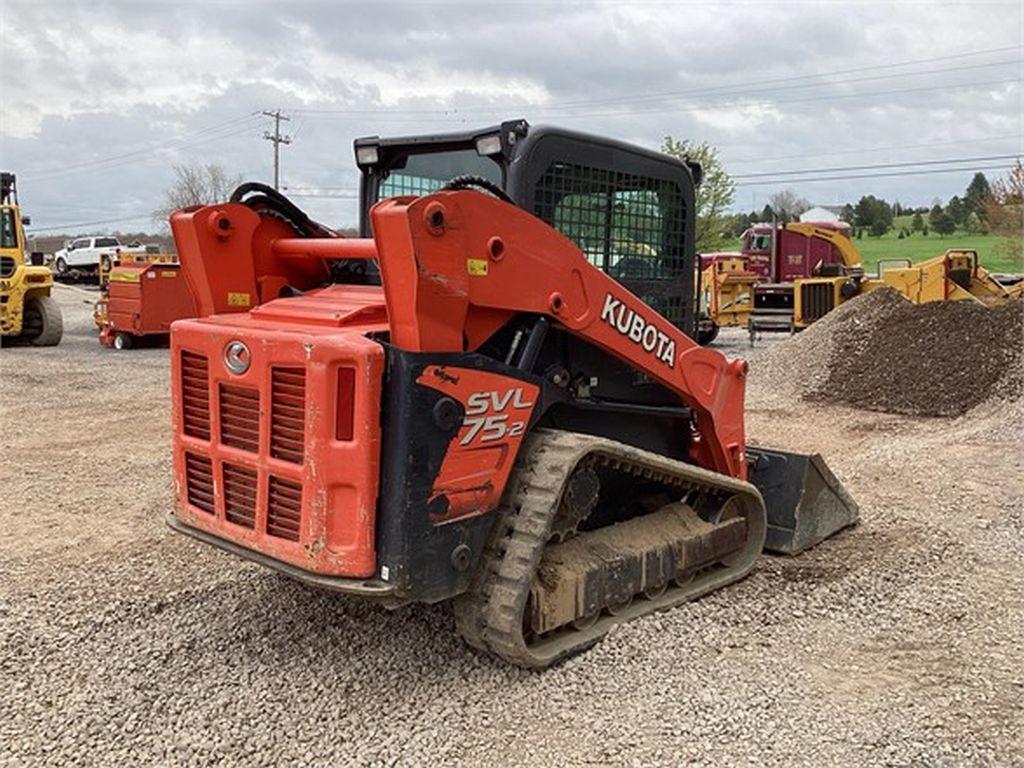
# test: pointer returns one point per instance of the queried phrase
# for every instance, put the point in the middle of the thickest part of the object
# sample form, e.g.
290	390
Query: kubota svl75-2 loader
491	396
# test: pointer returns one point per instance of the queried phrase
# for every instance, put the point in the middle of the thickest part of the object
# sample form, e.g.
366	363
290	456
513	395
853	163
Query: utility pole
278	140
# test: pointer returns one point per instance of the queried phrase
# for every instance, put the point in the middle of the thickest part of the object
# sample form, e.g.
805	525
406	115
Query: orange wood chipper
141	300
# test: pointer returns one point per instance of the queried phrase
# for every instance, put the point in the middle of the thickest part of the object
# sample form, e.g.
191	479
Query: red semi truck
779	254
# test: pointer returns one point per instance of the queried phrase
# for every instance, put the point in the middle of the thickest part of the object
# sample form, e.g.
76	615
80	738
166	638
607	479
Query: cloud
101	99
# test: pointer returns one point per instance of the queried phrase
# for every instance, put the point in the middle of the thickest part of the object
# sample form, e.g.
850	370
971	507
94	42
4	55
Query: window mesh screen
630	226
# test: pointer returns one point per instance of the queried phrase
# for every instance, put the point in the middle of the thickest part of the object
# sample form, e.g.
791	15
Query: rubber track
490	616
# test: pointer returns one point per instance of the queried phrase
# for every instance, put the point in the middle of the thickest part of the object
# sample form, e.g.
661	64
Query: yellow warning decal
117	276
239	300
167	273
476	267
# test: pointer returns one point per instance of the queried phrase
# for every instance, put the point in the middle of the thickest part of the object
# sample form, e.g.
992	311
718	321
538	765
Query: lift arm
456	266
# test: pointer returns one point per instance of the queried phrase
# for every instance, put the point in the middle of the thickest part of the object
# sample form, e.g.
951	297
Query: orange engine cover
277	428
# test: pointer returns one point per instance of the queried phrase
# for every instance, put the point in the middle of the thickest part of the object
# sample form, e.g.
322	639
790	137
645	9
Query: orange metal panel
337	479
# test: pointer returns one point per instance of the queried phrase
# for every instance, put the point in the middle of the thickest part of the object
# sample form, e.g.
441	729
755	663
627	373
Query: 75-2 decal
495	415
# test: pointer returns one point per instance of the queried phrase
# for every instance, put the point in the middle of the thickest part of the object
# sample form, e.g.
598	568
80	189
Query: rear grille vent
287	413
240	417
195	395
199	482
240	495
6	266
816	300
284	508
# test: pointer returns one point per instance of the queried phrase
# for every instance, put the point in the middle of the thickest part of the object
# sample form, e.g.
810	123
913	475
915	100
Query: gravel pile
881	352
896	643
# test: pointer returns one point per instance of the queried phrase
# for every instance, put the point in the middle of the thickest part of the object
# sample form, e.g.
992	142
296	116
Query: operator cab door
630	210
420	165
10	248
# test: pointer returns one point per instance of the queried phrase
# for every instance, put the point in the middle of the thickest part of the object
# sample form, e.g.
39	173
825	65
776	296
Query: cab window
425	173
8	229
106	242
620	231
628	225
759	242
81	243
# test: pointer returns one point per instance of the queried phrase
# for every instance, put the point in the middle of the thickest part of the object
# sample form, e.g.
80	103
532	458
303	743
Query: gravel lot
899	642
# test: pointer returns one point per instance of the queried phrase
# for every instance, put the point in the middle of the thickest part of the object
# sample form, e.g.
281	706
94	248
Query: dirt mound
881	352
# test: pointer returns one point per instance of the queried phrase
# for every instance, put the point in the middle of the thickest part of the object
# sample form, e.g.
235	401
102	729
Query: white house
817	213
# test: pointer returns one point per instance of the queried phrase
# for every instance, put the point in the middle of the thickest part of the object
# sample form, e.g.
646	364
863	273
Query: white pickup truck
83	253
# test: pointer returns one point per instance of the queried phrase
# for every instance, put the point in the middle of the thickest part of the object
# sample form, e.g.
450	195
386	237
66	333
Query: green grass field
917	247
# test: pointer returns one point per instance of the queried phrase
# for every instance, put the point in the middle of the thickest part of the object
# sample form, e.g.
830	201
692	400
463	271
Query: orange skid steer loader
492	396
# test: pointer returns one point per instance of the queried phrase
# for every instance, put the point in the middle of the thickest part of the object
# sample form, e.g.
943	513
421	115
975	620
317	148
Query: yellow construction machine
28	313
789	275
956	275
754	287
726	294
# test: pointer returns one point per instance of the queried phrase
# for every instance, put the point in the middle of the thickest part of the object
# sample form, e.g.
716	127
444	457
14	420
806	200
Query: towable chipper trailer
139	302
472	401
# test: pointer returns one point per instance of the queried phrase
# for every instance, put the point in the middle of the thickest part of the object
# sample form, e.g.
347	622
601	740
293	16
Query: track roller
542	596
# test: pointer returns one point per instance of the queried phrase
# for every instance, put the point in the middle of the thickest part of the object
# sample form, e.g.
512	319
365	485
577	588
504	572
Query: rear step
806	503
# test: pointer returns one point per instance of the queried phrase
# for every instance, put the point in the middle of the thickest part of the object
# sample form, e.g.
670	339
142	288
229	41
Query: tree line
875	216
984	207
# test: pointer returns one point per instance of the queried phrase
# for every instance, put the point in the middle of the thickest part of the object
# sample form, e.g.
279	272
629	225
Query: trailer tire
43	321
123	341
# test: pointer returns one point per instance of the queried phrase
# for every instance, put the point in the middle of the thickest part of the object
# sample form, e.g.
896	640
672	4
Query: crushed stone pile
881	352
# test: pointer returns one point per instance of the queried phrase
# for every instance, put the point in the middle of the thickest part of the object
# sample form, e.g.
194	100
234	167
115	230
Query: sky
99	101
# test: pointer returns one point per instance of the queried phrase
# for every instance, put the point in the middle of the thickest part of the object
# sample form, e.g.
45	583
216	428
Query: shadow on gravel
271	618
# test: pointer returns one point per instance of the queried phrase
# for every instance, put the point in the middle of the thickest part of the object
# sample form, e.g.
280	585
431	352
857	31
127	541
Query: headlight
367	155
489	145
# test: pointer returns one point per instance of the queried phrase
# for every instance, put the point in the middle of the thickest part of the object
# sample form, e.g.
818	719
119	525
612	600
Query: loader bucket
806	503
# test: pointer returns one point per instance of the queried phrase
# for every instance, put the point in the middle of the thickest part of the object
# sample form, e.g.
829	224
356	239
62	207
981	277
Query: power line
700	107
801	100
954	142
745	87
216	132
805	171
56	227
872	175
751	89
142	157
791	78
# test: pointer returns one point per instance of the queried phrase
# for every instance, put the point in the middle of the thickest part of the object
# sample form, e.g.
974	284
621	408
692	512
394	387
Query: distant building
818	213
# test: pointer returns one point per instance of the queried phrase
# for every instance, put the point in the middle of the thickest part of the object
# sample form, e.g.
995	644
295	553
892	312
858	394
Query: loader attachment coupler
805	502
